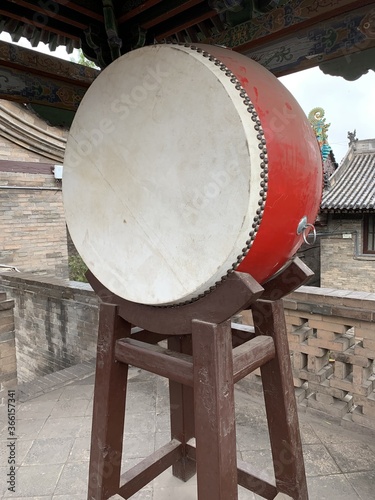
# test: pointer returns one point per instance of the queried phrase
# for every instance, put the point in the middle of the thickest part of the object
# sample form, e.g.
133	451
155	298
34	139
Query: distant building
343	255
348	214
33	235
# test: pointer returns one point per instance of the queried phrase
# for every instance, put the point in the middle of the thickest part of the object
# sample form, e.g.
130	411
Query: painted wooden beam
81	10
187	24
132	12
302	34
341	37
285	21
178	9
37	62
33	77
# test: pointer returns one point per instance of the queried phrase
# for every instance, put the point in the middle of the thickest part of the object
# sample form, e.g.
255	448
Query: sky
347	105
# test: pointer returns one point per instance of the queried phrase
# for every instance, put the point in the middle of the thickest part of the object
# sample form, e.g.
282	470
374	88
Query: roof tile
352	186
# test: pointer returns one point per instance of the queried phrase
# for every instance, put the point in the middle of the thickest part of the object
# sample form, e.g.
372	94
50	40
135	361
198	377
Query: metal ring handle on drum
301	229
304	235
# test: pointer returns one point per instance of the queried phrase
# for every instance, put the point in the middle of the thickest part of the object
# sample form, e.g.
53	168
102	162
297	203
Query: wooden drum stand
204	359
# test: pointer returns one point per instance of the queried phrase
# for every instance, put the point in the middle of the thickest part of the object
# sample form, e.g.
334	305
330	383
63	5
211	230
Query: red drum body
183	164
294	167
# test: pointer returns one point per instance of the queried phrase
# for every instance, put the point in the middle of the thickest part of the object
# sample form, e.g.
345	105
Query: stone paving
54	424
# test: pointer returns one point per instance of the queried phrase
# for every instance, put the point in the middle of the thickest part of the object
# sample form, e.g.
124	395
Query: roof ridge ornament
352	136
318	123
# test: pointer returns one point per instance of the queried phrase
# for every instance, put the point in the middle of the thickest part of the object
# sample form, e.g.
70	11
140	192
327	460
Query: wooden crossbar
252	480
149	468
250	356
153	358
179	367
249	478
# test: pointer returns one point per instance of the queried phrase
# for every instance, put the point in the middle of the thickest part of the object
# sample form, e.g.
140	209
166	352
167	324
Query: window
369	233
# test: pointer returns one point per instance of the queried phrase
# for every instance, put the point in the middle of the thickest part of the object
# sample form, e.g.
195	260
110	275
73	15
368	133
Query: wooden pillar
109	407
214	411
182	411
280	402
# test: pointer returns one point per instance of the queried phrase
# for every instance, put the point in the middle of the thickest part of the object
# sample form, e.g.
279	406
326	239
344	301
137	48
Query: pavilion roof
352	186
283	35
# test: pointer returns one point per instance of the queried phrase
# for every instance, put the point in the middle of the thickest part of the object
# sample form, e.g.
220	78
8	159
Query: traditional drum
183	164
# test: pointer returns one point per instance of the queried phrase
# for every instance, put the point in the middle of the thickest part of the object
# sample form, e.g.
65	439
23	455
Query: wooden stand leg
214	411
280	402
182	411
109	407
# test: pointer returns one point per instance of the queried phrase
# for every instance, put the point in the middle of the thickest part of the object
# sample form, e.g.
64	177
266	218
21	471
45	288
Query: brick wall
32	224
331	336
56	323
342	263
8	368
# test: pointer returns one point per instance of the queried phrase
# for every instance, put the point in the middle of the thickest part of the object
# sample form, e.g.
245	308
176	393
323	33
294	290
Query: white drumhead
161	175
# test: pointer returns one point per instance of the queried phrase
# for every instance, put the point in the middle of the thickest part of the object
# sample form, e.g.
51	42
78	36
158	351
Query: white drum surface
161	175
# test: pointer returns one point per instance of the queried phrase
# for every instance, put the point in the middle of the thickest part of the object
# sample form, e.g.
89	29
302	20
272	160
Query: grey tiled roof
352	186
